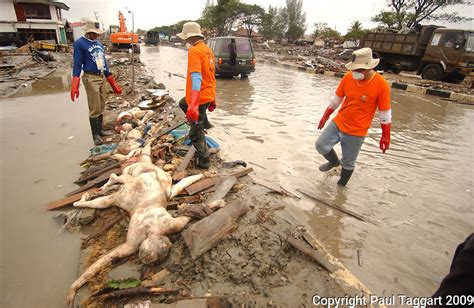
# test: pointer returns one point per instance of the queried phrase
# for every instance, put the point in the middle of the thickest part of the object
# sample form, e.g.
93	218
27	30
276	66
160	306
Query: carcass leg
178	187
119	252
177	224
99	203
114	179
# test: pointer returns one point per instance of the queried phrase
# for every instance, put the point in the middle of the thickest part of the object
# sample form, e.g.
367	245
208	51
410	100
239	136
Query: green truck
434	52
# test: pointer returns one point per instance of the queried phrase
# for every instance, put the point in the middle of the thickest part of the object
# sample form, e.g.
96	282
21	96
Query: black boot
333	161
203	163
345	176
103	133
94	122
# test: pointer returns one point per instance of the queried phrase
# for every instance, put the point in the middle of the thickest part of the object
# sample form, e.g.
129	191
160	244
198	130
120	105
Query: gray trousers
350	145
196	132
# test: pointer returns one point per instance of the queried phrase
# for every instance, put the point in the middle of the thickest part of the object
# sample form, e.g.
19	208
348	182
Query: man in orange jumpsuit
361	92
200	89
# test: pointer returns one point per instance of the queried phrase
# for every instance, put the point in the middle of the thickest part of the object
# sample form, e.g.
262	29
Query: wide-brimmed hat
93	26
190	29
362	59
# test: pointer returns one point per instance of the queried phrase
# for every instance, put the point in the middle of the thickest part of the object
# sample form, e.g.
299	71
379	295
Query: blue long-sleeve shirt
89	56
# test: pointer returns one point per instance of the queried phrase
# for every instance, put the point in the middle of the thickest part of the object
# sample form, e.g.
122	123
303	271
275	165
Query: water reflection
420	191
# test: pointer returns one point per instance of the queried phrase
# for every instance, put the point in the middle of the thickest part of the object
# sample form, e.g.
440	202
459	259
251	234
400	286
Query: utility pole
133	56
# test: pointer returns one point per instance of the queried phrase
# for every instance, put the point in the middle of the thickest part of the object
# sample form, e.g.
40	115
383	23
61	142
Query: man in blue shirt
89	56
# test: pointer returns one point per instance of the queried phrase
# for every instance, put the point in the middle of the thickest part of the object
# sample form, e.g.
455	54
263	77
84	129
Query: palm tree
355	26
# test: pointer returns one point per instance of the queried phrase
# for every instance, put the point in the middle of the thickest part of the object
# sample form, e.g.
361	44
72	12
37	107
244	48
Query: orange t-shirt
361	99
201	60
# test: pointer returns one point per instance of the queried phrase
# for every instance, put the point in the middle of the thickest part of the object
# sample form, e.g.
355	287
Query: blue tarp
184	131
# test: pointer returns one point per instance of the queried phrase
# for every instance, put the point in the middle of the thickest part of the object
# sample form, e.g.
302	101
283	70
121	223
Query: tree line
220	18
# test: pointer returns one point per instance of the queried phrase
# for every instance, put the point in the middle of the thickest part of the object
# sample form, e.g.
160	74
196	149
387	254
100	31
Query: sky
338	14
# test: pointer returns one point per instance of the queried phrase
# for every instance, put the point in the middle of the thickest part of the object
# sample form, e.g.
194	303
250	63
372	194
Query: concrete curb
449	95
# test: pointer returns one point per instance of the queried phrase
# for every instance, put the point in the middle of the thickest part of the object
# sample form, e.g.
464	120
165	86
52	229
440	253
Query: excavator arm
123	27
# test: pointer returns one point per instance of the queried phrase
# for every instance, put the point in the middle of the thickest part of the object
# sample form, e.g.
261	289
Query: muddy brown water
420	192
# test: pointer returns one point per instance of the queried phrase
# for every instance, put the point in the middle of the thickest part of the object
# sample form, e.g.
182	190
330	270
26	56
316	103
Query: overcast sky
338	14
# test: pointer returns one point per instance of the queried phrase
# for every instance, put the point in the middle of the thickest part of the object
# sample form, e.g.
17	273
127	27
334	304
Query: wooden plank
209	231
185	162
100	172
180	172
338	208
222	189
68	200
202	185
267	184
242	172
318	256
95	182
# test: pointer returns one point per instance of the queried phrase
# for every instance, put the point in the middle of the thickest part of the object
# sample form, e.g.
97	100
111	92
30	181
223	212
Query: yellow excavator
124	39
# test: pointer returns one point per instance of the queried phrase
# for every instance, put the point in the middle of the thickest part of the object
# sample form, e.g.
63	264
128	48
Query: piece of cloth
361	100
196	79
201	60
196	131
96	89
460	279
350	145
89	56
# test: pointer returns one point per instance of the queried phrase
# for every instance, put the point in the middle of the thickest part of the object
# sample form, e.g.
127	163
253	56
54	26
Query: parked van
245	59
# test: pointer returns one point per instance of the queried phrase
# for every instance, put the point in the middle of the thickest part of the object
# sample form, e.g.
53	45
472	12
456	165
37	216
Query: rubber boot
94	122
203	163
103	133
333	161
345	176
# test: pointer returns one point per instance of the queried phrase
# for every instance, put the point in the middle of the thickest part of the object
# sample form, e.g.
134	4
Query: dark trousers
460	279
196	132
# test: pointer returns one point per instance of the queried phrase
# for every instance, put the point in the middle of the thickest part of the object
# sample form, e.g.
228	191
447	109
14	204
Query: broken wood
104	228
242	172
137	291
319	256
156	279
188	199
359	257
95	182
68	200
209	231
222	189
269	185
100	172
180	172
339	208
202	185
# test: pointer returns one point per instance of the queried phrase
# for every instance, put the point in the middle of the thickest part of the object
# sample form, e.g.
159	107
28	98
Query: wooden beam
180	172
68	200
209	231
202	185
222	189
95	182
99	173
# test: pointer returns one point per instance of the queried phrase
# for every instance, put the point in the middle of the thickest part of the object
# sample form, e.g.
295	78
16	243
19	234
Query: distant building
39	20
74	30
242	32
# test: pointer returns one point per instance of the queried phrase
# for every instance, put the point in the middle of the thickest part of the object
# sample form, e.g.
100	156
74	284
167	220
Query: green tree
222	16
318	28
251	17
355	32
296	19
267	26
409	13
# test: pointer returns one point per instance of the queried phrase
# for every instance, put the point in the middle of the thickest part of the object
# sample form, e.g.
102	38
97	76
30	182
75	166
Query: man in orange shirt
200	89
361	92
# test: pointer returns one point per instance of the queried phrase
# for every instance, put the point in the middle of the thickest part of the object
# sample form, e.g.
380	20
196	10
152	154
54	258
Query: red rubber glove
212	106
114	85
385	140
75	87
193	108
325	117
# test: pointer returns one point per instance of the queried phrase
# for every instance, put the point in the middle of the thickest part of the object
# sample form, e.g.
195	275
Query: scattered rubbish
232	164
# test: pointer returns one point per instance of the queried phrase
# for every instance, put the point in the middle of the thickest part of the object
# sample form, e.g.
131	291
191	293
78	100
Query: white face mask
358	76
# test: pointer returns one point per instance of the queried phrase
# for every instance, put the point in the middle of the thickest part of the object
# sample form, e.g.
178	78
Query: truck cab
449	53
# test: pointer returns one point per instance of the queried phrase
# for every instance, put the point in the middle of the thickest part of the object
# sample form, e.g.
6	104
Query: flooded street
420	191
419	194
44	137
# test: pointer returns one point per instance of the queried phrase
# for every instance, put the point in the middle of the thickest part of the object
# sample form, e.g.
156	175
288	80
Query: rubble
250	263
